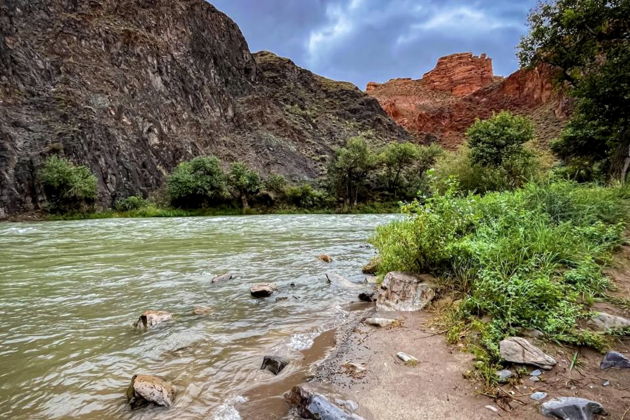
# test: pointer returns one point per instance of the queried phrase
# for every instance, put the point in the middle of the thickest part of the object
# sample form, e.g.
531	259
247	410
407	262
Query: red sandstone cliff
462	87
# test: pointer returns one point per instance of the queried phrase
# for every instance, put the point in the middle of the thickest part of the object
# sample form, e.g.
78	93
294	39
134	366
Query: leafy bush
526	258
131	203
68	187
243	183
276	184
404	165
197	183
349	170
499	138
305	196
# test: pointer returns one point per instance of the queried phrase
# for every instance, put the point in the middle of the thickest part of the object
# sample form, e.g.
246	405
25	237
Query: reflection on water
71	290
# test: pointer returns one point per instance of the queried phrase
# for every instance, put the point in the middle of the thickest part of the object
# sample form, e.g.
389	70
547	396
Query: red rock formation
443	104
460	74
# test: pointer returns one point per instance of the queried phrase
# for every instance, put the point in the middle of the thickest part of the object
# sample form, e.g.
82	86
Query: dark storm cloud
376	40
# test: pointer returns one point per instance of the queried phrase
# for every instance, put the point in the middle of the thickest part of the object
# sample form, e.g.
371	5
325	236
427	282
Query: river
70	291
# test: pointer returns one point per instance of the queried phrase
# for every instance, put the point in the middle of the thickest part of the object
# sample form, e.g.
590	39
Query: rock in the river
150	319
571	408
366	297
381	322
263	289
519	350
372	266
145	389
616	360
340	281
201	310
603	321
405	292
408	359
312	405
222	277
325	258
274	364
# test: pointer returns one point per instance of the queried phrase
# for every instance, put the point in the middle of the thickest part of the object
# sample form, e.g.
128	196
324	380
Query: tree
405	163
67	186
243	183
197	183
589	41
499	138
349	170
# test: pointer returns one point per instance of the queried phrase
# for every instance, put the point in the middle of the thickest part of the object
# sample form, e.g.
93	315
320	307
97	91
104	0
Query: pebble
538	396
534	378
380	322
536	372
504	374
407	358
606	383
492	408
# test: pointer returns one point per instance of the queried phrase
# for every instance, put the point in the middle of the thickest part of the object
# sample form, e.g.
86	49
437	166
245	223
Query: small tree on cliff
349	170
197	183
67	186
244	183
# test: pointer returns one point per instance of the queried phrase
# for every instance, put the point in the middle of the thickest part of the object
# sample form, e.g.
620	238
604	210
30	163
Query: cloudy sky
376	40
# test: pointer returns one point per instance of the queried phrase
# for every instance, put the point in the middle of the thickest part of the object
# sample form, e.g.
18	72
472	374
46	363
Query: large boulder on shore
519	350
312	405
405	292
149	389
150	319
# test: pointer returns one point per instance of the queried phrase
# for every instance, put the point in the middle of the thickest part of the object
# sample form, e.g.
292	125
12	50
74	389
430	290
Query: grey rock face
519	350
150	319
571	408
274	364
603	321
613	359
405	292
146	389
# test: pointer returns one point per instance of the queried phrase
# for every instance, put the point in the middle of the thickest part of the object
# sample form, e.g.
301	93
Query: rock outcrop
445	101
132	88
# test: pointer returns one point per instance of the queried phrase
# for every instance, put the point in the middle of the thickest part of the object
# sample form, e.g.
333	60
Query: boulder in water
311	405
519	350
325	258
405	292
149	389
222	277
260	290
150	319
274	364
367	296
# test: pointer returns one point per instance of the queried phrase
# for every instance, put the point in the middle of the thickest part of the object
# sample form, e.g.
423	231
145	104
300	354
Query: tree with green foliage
589	41
499	138
197	183
243	183
348	172
405	163
68	187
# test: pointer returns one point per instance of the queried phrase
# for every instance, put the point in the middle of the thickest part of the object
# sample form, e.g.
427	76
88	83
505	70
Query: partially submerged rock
614	359
372	266
222	277
604	322
274	364
201	310
408	359
571	408
367	297
147	389
340	281
381	322
519	350
312	405
260	290
405	292
150	319
325	258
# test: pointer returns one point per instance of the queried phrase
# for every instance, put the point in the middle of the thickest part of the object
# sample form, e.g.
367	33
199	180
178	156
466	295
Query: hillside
132	88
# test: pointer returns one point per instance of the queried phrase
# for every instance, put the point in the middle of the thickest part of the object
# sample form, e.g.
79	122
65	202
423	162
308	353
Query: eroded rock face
146	389
445	101
519	350
150	319
174	81
405	292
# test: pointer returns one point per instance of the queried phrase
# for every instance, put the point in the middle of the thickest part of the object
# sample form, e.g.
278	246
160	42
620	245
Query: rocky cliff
445	101
132	88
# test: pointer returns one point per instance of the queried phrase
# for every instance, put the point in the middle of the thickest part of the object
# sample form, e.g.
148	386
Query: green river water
71	290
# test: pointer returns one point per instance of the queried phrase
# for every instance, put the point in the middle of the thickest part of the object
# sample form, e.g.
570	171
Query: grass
531	258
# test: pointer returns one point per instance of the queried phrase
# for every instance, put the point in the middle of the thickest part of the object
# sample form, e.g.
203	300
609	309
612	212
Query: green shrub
243	183
307	197
68	187
131	203
276	184
404	165
527	258
348	173
499	138
197	183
